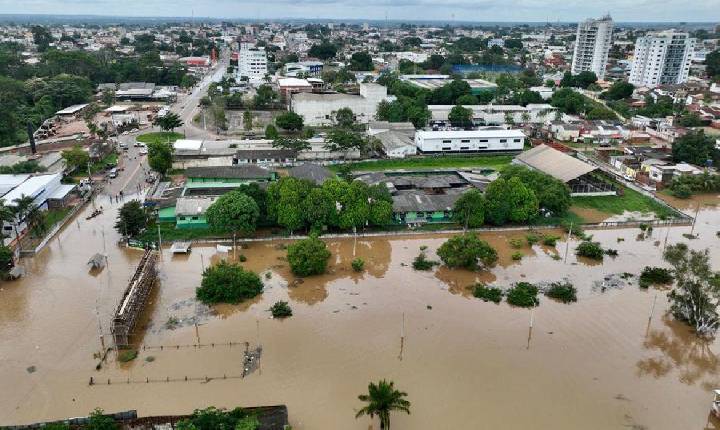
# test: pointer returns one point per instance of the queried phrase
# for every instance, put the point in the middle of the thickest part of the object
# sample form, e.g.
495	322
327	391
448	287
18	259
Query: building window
465	141
517	140
483	141
503	140
447	141
447	148
182	218
195	218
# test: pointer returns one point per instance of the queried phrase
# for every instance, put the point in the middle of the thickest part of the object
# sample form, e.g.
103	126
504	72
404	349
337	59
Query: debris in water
31	369
613	281
429	307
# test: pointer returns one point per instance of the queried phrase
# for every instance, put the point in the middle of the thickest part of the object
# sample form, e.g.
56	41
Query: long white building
592	45
662	59
479	140
252	63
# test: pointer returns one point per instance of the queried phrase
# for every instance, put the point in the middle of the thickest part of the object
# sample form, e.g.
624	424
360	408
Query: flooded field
597	364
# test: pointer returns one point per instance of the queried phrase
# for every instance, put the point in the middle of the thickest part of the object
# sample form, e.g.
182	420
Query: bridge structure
134	299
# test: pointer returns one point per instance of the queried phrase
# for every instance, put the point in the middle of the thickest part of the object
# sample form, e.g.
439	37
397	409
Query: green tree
291	143
712	64
324	51
169	122
285	202
271	132
469	209
41	37
361	61
339	139
467	99
619	90
7	260
160	156
345	118
248	120
382	399
467	251
265	96
234	211
228	283
696	295
552	194
75	158
132	219
308	257
695	148
289	121
460	116
99	421
509	201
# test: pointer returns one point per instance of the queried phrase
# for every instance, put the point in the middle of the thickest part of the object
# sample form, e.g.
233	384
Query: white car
143	151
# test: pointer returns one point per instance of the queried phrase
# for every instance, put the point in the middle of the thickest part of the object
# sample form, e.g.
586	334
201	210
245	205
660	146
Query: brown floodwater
599	363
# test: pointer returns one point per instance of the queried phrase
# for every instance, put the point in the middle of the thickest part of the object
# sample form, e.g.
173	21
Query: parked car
113	173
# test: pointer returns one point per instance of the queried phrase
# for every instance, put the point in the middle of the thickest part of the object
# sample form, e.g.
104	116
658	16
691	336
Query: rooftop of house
246	171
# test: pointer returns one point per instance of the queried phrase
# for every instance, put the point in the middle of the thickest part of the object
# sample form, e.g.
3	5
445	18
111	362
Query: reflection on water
676	349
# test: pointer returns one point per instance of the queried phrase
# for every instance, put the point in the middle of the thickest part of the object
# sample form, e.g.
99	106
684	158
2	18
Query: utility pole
567	243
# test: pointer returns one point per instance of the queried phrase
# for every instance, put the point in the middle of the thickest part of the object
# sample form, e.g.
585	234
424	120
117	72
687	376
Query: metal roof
554	163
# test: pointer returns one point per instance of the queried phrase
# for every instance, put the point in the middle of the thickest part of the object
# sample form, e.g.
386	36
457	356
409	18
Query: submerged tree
382	398
696	295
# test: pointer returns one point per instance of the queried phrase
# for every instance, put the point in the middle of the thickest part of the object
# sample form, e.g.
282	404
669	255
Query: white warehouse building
480	140
318	109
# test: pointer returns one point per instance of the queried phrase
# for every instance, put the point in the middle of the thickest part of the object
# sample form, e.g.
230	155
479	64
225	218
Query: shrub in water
281	310
611	252
242	258
358	264
550	240
422	263
228	283
590	250
517	256
308	256
488	294
655	276
127	355
532	238
467	251
523	294
516	243
562	291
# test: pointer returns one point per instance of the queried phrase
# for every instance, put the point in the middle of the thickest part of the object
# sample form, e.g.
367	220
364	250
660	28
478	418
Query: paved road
187	105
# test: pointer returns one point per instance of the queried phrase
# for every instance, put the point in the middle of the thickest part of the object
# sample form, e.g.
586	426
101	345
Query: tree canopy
467	251
228	283
289	121
509	201
469	209
381	399
234	211
552	194
308	257
695	148
132	219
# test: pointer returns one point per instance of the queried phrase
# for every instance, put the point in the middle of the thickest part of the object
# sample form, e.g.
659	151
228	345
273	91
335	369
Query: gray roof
253	154
244	171
312	172
415	201
554	163
192	206
391	140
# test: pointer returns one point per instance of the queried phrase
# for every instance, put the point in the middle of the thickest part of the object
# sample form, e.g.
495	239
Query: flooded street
599	363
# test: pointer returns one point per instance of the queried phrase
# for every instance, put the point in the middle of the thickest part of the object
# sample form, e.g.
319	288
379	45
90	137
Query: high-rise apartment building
252	63
592	45
662	58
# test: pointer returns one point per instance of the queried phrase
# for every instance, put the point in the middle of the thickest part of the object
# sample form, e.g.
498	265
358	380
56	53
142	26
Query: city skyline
447	10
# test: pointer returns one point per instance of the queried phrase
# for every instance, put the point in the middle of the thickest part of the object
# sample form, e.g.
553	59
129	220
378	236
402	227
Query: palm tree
23	206
383	398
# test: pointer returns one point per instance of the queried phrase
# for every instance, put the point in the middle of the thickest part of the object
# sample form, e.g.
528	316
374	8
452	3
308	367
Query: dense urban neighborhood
270	224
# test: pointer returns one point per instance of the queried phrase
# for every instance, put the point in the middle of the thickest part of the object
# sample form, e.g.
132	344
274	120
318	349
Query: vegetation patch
467	251
214	418
422	263
516	242
281	310
491	162
159	137
629	201
127	356
517	256
523	294
358	264
655	276
591	250
550	240
308	257
228	283
564	292
487	294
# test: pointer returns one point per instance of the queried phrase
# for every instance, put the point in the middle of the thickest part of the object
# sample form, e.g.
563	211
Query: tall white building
592	45
252	63
662	59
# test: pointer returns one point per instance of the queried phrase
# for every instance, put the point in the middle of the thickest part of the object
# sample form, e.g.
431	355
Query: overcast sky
465	10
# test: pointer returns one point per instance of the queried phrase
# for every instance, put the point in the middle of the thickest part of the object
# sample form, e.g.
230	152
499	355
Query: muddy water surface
596	364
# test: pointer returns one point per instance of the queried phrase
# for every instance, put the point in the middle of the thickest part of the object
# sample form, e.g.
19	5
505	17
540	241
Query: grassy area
169	233
495	162
630	201
568	218
98	166
159	136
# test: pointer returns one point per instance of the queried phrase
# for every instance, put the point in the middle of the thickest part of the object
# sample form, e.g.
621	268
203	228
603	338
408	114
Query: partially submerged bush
228	283
590	249
516	242
468	251
487	294
611	252
532	238
562	291
422	263
655	276
308	256
127	355
358	264
517	256
523	294
281	310
550	240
